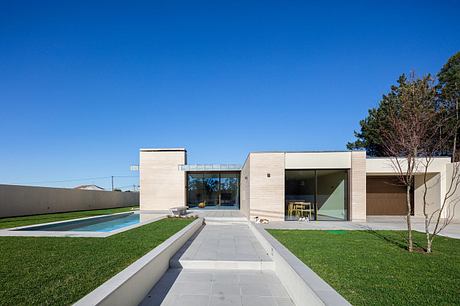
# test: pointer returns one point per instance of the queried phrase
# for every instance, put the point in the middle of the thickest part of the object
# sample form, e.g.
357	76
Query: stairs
224	243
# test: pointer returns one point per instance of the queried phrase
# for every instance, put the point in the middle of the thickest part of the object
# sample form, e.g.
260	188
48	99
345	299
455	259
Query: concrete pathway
224	264
373	223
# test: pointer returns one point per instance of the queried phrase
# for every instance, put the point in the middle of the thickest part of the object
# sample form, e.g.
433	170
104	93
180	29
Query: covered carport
386	195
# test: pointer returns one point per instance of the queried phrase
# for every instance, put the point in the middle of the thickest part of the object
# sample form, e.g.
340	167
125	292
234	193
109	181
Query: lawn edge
132	284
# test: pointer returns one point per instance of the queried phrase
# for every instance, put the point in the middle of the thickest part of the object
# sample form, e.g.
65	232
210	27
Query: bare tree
409	127
442	216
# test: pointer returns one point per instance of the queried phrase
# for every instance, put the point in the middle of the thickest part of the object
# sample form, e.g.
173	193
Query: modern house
283	186
89	187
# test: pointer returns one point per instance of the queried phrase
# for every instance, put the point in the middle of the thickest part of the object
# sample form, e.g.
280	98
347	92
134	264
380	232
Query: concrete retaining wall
29	200
130	286
303	285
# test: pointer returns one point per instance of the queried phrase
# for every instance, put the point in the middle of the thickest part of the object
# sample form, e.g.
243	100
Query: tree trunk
427	232
408	218
429	244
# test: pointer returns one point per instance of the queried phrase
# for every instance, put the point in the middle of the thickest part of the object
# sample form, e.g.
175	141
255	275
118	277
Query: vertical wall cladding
358	186
245	180
267	185
162	182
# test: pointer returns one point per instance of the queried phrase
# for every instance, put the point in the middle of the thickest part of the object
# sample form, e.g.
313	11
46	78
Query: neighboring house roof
89	187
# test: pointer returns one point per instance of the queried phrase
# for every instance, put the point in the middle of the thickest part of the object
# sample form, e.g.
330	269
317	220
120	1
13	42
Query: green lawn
59	271
373	268
36	219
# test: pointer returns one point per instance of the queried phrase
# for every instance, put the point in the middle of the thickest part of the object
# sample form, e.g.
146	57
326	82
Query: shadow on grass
398	239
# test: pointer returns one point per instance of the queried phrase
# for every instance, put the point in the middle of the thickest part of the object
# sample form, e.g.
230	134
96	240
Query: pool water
97	224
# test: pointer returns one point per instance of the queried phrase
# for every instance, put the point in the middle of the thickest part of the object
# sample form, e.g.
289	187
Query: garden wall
30	200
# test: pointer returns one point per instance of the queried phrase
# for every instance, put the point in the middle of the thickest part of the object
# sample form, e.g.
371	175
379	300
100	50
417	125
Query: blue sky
84	85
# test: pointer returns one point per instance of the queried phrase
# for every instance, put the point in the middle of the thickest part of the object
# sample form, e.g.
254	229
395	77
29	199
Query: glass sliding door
195	190
332	194
213	190
300	191
229	190
316	194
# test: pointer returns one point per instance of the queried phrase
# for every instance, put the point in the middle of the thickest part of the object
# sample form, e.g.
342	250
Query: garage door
386	196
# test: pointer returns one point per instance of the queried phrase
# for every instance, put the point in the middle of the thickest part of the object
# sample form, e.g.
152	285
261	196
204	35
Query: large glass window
316	194
213	190
332	194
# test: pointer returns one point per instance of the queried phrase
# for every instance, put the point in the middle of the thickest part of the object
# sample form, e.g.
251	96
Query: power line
79	179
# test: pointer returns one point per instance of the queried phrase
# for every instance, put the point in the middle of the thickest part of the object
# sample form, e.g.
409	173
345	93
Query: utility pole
112	182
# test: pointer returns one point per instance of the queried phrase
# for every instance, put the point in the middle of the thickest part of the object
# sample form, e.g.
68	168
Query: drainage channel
222	264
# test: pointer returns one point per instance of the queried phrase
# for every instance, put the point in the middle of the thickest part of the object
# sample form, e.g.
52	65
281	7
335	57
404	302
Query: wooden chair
303	209
290	208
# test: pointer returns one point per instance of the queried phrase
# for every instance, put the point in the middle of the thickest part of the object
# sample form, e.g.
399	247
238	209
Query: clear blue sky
83	86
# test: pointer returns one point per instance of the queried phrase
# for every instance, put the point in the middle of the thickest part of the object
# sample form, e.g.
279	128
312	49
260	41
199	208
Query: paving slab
218	287
224	245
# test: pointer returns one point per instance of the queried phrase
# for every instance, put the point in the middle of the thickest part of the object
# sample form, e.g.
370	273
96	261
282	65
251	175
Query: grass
373	267
59	271
36	219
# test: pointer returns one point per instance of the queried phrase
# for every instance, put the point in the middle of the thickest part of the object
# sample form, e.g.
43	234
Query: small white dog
262	220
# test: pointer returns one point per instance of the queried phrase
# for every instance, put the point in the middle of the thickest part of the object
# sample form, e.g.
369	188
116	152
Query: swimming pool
101	224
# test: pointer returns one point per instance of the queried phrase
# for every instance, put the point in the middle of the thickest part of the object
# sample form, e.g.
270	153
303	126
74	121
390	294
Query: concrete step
223	265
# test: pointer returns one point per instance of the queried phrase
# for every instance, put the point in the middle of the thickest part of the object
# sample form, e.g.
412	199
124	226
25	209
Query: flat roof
162	149
311	151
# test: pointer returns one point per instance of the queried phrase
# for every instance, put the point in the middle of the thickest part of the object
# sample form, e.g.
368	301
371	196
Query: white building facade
285	186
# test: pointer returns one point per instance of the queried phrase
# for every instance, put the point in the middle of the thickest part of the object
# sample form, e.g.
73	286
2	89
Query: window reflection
213	190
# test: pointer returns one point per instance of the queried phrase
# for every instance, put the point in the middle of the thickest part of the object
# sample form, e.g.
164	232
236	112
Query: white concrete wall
30	200
385	166
245	180
433	195
451	188
318	160
162	182
266	193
